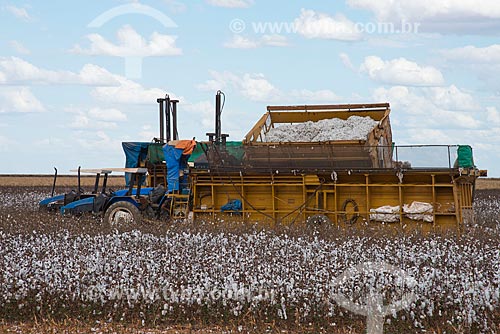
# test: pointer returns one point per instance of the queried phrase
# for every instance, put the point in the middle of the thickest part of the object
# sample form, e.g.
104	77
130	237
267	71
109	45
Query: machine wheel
318	220
122	214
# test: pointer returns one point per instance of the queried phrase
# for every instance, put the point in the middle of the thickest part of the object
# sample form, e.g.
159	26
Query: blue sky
68	99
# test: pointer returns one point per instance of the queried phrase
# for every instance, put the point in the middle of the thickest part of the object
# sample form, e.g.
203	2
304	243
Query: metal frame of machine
343	182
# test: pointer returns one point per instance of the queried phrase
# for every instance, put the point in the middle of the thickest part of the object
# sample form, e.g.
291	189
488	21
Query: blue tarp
176	161
173	157
233	205
135	152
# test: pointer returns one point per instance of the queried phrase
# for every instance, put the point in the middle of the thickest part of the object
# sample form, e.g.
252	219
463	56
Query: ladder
179	205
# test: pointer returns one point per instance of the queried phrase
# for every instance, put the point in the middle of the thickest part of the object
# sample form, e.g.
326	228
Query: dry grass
488	183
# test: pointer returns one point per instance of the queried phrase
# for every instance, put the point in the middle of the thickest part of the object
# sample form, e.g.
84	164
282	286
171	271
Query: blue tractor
55	202
135	203
162	163
96	201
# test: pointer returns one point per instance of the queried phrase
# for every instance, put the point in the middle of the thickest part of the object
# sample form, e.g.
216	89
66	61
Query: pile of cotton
354	128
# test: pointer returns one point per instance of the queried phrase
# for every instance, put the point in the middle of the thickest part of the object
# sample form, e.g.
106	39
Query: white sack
419	211
386	213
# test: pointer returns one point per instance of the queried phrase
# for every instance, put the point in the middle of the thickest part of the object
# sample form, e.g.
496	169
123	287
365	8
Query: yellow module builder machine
333	164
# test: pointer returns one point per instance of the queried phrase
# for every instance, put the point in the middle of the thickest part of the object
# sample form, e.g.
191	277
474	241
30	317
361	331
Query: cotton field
215	273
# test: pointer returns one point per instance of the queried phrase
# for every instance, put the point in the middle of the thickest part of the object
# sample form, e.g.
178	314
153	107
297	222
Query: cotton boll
354	128
265	272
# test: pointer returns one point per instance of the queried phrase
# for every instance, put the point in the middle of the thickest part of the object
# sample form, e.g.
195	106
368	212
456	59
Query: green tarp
465	159
155	153
234	148
197	152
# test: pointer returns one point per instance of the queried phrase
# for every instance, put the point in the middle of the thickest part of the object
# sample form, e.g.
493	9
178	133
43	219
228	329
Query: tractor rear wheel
122	214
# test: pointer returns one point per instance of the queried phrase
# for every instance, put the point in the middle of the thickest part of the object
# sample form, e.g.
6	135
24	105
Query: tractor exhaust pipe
217	136
218	111
168	123
104	183
96	185
167	116
175	134
54	184
162	127
79	183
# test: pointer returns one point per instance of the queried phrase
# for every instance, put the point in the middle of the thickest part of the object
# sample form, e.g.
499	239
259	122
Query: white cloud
255	87
451	98
318	25
429	9
108	87
204	111
98	118
83	121
493	116
130	44
19	99
466	16
94	75
431	107
274	40
484	62
146	133
97	141
220	80
19	12
428	137
344	57
318	95
52	142
15	70
241	42
19	47
473	54
231	3
401	71
108	115
129	92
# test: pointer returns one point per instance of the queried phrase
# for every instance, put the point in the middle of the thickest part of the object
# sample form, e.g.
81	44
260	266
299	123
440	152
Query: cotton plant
259	272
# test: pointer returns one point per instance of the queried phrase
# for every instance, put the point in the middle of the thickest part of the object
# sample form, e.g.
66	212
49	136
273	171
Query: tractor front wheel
122	214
